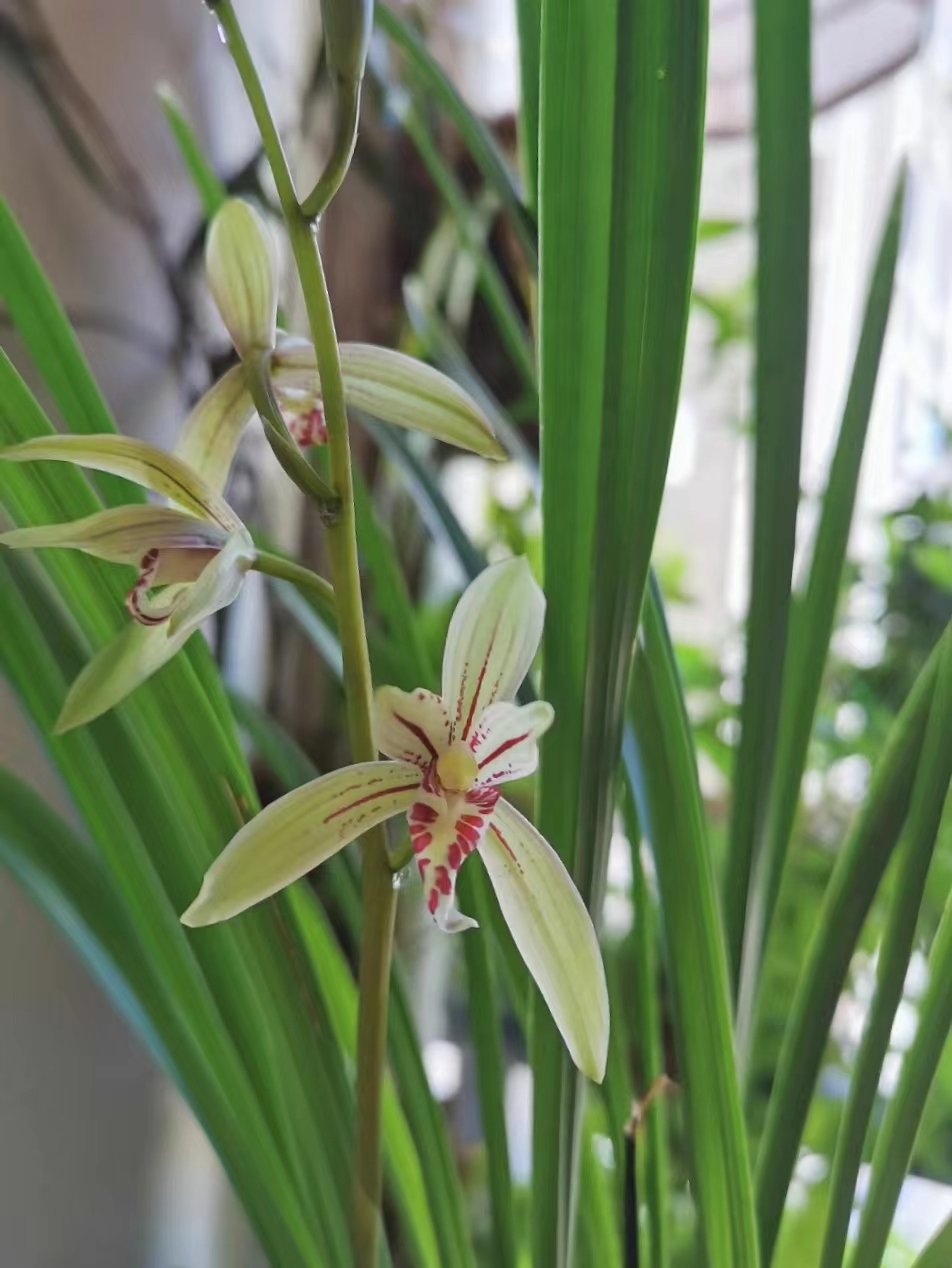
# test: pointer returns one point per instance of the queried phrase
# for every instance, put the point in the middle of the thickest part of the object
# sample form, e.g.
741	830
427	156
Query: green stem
348	100
297	574
378	896
285	449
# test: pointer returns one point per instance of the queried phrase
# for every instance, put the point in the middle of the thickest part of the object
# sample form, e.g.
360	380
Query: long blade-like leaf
664	778
846	903
925	814
784	109
617	260
811	622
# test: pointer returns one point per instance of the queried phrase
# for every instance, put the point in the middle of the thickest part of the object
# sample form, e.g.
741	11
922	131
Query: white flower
449	755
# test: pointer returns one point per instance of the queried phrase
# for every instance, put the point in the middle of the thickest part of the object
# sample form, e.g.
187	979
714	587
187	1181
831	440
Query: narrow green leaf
618	227
208	186
784	111
925	814
938	1253
654	1140
54	349
897	1135
812	617
476	136
849	894
663	772
69	884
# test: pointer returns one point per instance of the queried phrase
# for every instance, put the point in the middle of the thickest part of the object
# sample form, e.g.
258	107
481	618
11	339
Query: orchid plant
448	755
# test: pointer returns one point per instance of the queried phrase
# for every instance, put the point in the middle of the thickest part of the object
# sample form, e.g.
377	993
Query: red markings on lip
454	857
420	812
422	841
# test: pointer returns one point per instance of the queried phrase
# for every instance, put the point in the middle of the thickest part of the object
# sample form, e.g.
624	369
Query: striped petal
125	662
395	388
444	831
411	726
302	829
125	534
505	740
492	639
211	433
554	934
241	266
153	468
217	587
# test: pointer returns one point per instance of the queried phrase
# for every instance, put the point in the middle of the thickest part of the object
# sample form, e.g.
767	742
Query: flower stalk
378	896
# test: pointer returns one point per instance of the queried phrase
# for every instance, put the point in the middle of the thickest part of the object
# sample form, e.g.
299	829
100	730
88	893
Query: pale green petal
242	269
505	740
397	389
212	431
492	639
115	671
410	726
292	835
217	587
153	468
553	932
124	534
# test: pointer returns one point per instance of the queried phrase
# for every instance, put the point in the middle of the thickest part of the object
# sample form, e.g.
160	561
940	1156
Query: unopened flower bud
242	270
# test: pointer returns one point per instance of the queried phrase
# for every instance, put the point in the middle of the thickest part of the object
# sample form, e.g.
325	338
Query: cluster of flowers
449	753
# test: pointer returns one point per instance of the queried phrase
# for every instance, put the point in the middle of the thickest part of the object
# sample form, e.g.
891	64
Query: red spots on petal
422	865
443	882
148	571
455	857
420	812
422	841
508	847
474	821
309	428
479	684
433	901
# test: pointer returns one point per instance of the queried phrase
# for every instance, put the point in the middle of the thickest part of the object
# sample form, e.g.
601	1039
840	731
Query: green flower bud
347	28
242	270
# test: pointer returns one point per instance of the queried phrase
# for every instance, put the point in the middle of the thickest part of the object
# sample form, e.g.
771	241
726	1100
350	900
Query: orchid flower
448	754
197	549
242	272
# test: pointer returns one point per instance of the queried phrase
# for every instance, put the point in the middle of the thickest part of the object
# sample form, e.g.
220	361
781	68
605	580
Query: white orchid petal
241	266
395	388
123	664
153	468
292	835
444	831
218	585
492	639
554	934
211	433
505	740
123	534
411	726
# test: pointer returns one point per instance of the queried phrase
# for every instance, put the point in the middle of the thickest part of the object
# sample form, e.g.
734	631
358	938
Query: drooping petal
211	433
411	726
124	534
241	266
292	835
444	831
553	932
492	639
505	740
153	468
395	388
115	671
218	585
